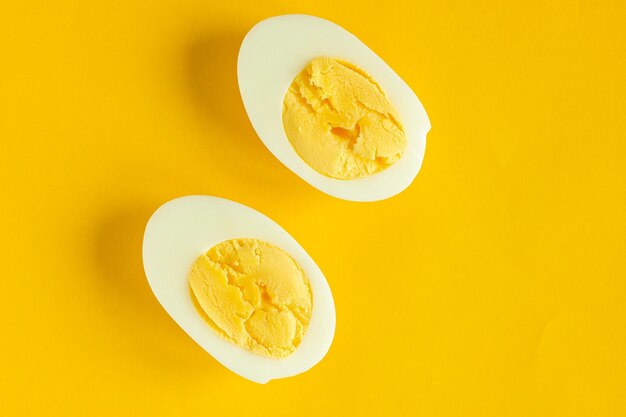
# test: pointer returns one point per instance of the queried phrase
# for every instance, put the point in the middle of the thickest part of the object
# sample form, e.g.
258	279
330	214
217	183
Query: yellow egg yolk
253	294
340	121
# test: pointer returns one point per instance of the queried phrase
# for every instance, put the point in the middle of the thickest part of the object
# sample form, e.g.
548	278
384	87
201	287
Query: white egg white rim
184	228
275	50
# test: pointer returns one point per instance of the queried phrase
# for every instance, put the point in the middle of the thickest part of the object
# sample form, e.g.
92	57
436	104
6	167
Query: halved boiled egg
330	109
240	286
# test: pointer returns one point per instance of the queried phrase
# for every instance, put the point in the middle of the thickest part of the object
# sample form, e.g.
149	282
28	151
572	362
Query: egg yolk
253	294
340	121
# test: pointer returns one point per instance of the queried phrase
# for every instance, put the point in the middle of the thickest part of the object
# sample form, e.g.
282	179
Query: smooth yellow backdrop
493	286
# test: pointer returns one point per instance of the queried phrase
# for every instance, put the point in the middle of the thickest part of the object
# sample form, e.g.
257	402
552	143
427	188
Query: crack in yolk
340	121
352	135
254	295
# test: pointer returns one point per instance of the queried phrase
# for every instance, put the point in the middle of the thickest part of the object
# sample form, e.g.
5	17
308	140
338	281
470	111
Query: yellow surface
253	294
493	286
340	121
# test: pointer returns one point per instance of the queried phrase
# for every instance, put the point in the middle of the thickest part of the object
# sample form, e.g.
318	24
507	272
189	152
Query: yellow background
493	286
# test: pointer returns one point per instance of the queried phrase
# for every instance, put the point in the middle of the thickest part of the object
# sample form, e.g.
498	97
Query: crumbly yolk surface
253	294
340	121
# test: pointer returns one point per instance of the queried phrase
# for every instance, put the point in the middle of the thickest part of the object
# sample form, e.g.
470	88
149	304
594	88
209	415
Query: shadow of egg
214	93
151	336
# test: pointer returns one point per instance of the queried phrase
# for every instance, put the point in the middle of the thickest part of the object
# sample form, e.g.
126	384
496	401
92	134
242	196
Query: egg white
276	50
183	229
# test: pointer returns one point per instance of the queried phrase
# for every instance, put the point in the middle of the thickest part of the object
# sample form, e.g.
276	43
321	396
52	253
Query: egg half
183	229
275	51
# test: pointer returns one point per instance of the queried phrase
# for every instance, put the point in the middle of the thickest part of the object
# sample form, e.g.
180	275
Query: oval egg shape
275	51
183	229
